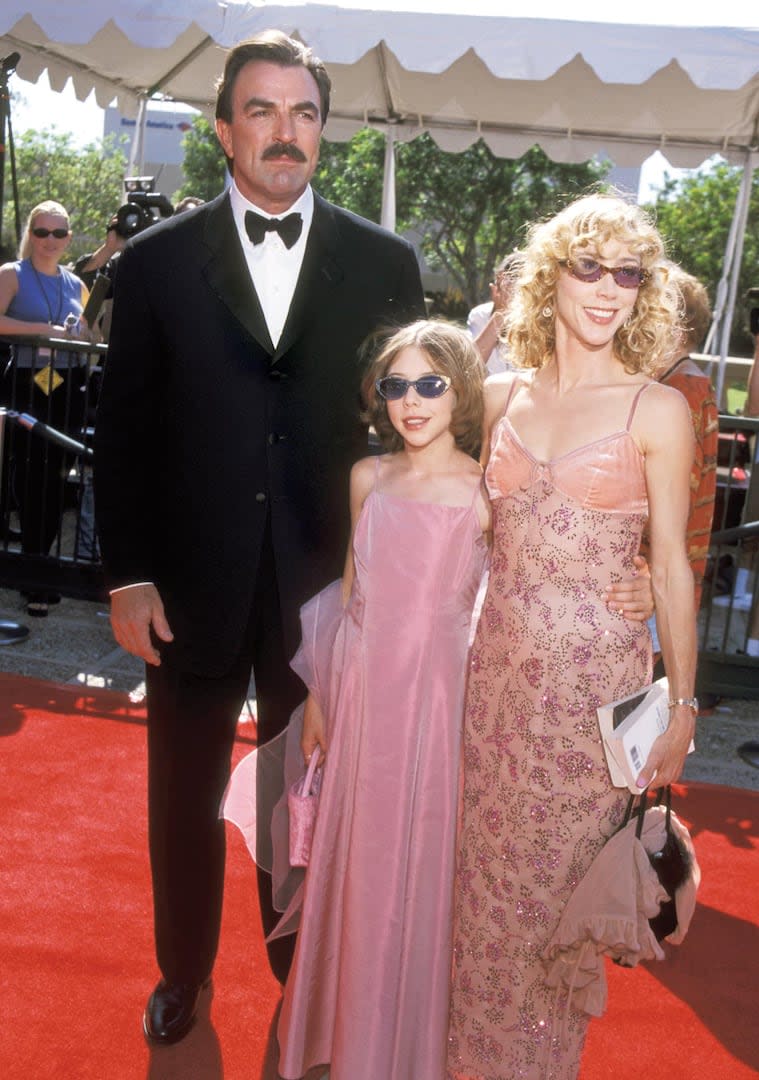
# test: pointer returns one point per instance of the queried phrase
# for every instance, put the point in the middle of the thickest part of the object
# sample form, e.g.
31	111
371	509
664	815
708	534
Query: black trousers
191	730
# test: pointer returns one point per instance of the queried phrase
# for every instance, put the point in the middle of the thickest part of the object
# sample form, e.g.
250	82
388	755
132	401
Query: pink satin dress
369	989
537	802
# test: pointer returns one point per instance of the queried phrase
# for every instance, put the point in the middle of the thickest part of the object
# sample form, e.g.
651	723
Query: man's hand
632	597
134	611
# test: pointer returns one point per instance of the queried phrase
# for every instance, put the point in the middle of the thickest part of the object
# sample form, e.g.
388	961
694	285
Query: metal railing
729	613
48	394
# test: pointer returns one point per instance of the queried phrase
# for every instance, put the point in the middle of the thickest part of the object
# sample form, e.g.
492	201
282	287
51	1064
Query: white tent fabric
572	87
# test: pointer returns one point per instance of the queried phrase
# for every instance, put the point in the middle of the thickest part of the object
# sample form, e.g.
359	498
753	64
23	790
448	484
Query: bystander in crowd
485	321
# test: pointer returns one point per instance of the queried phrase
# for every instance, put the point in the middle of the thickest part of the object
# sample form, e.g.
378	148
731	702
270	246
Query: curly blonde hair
587	224
451	352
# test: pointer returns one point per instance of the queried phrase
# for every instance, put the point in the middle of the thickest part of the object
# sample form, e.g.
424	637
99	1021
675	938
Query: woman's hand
632	597
667	758
313	739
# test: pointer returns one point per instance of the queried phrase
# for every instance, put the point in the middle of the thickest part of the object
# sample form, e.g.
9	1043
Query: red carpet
76	957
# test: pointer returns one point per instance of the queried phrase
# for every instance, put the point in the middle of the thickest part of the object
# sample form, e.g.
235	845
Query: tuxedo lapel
320	273
227	272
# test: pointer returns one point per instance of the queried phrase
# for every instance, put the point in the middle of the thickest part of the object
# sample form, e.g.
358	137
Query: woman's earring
547	311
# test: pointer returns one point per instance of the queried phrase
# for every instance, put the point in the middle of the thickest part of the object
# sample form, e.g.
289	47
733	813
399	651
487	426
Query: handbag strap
313	764
636	805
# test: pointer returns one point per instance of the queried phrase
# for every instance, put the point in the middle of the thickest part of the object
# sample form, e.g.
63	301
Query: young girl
384	658
368	991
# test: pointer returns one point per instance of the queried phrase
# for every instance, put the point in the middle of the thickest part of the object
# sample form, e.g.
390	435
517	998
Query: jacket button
260	496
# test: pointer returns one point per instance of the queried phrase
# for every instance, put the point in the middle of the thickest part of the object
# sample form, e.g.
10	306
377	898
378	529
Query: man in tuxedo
226	429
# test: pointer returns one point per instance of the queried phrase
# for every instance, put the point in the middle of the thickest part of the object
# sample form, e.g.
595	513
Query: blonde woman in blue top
37	295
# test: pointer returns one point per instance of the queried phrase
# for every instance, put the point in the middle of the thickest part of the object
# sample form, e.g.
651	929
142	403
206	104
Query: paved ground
74	645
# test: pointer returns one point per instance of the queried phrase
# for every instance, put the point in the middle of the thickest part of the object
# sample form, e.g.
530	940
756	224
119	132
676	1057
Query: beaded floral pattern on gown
537	800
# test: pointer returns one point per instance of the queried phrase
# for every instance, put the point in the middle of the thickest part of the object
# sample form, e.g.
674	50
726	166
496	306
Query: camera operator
139	212
87	266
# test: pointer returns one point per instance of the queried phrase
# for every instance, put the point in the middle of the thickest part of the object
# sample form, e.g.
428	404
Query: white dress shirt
274	268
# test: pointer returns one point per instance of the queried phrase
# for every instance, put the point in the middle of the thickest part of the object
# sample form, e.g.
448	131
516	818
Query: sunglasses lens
586	269
391	387
629	277
42	234
431	386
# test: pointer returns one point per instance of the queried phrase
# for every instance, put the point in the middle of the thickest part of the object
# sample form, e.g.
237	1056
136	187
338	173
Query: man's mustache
278	150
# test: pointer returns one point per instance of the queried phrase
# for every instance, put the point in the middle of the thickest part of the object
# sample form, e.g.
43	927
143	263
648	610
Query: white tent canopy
571	87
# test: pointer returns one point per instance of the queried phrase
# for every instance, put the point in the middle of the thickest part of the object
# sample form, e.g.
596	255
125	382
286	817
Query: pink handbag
302	804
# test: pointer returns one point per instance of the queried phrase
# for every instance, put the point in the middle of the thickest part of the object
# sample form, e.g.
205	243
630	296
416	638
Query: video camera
753	315
143	207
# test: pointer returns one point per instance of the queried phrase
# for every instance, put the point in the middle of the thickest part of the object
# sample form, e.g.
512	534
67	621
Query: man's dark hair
275	48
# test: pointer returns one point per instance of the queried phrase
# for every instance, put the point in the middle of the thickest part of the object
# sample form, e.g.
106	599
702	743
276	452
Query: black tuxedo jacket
205	431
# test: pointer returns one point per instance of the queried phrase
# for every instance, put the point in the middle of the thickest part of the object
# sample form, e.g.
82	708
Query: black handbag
672	863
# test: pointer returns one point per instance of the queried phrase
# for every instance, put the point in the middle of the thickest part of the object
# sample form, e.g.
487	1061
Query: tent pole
388	181
734	269
137	151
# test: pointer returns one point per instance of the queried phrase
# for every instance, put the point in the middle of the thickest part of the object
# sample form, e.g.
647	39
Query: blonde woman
582	447
36	296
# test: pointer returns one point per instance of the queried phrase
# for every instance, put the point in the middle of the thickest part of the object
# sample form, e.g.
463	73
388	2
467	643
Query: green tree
204	164
694	215
86	180
470	209
350	173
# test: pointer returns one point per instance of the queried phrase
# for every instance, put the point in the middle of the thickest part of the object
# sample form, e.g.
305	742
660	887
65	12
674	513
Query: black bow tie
289	228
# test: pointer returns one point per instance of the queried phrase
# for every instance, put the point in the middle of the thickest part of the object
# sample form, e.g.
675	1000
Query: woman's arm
18	327
665	431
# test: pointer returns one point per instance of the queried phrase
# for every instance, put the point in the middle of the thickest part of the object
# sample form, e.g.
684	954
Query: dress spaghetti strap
634	405
514	383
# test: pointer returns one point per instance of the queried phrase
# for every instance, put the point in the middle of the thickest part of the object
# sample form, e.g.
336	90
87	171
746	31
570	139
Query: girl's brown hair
451	352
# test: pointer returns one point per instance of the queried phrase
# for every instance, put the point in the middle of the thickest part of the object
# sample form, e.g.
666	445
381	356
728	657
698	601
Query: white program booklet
629	728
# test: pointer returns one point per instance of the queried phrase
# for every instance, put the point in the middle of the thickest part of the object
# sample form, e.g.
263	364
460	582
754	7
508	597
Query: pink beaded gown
369	989
537	800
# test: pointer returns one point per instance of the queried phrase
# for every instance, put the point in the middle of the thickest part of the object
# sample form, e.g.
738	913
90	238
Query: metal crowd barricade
729	613
48	395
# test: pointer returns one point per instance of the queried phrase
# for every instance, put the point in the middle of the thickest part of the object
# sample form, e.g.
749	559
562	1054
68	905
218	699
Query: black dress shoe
170	1012
749	751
